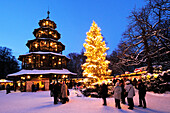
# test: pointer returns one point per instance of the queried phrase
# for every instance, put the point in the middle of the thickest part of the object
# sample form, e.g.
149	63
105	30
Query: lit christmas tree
96	65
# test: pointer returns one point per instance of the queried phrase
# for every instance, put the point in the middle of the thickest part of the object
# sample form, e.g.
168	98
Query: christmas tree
96	65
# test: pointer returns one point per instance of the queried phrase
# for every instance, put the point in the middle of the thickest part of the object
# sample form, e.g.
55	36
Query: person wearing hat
142	92
117	95
131	93
104	91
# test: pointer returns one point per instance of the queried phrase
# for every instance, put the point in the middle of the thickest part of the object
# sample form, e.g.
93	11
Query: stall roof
35	71
4	81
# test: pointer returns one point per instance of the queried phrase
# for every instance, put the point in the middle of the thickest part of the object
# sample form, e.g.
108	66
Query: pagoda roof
38	72
44	53
45	39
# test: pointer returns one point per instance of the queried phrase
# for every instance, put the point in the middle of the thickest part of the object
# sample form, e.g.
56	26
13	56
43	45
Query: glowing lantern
53	57
50	32
41	76
54	75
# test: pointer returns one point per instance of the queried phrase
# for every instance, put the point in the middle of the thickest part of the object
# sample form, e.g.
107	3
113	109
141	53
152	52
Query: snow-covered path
41	102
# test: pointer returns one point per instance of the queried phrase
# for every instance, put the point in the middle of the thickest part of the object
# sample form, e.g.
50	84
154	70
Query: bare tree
147	36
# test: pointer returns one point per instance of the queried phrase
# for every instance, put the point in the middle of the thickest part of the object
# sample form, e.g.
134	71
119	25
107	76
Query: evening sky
73	18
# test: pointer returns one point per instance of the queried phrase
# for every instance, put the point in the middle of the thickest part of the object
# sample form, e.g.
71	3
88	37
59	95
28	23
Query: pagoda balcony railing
47	66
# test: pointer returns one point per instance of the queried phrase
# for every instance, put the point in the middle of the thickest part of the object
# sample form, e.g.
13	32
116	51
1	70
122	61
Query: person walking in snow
64	95
131	93
117	95
142	92
55	92
122	85
104	91
33	87
51	88
8	89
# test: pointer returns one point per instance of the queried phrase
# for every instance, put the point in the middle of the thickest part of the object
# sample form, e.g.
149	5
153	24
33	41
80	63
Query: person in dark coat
104	91
134	82
123	91
55	91
7	89
33	87
142	92
51	88
114	81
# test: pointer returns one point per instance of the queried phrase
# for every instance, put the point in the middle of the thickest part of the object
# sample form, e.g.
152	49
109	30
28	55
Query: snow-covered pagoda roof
35	72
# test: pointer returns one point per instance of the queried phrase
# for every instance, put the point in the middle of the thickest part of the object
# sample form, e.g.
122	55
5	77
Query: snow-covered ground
41	102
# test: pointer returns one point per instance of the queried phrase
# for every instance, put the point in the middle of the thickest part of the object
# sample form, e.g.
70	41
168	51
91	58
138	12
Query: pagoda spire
48	13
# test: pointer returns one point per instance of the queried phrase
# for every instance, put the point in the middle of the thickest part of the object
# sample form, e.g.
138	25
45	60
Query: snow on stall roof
3	80
35	71
40	52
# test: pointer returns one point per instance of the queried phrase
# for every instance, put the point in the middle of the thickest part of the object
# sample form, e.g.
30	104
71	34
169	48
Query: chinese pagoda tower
45	61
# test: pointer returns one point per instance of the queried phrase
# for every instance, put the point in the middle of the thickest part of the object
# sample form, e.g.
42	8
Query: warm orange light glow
59	62
50	32
29	60
53	57
54	63
28	77
46	22
23	78
63	76
43	57
36	45
45	42
55	75
51	44
41	75
55	36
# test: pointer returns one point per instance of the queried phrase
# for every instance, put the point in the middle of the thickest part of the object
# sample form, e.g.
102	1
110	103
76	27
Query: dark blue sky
73	18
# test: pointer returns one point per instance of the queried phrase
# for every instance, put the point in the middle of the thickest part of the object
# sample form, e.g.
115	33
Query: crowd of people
59	91
124	89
